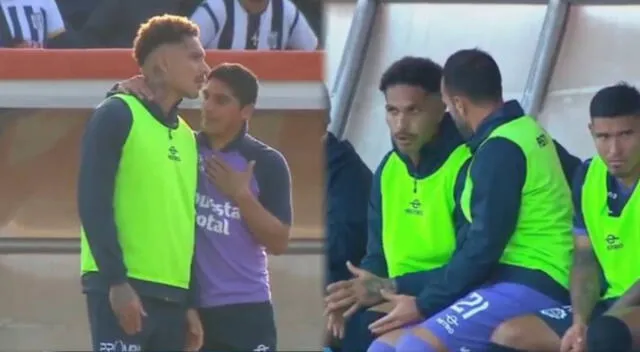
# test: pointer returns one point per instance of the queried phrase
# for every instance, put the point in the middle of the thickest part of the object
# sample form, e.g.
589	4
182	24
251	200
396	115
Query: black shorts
560	319
239	327
163	329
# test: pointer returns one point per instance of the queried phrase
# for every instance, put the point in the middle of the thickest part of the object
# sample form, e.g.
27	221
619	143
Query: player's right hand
127	308
574	340
137	86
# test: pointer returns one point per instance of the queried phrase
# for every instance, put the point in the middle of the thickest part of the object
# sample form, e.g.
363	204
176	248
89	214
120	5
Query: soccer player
607	230
517	244
243	213
137	184
412	213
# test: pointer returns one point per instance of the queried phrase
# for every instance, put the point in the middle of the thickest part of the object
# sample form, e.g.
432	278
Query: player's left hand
230	182
404	312
195	333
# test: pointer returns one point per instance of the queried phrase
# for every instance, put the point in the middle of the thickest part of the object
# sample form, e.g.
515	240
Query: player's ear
247	111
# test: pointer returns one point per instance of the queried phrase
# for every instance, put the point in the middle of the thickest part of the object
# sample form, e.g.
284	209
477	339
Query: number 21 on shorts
470	305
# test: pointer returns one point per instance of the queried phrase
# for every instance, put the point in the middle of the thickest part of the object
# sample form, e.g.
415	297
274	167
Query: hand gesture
404	312
137	86
127	308
574	339
361	291
195	334
228	181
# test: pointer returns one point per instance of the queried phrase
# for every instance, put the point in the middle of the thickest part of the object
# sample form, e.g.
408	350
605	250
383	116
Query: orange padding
112	64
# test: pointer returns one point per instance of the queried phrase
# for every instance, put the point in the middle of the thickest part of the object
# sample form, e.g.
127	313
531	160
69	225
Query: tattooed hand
361	291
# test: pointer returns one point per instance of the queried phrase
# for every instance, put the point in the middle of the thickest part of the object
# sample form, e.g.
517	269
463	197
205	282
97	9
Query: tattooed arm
585	280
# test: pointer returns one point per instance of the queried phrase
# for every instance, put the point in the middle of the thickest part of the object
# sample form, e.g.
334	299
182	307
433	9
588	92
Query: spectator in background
253	25
29	23
314	12
113	23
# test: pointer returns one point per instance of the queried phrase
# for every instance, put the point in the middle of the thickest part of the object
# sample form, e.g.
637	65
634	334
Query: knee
509	334
411	343
608	334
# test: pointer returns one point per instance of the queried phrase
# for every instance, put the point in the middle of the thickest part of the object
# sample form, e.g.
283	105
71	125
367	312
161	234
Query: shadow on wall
42	307
39	153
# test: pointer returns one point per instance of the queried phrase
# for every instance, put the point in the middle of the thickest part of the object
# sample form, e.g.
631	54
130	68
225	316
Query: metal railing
351	63
549	42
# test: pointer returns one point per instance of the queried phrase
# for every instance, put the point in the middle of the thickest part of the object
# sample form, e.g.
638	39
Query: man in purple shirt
243	212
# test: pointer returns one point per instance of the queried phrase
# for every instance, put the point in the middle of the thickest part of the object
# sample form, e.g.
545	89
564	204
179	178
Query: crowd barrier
47	97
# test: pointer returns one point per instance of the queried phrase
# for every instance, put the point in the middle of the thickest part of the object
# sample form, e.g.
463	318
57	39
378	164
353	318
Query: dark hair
243	82
160	30
618	100
474	74
413	71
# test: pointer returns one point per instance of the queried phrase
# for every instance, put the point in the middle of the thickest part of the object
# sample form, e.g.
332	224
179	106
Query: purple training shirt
230	264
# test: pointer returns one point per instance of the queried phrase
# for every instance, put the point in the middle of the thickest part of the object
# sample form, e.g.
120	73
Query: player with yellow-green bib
604	314
413	217
136	191
514	254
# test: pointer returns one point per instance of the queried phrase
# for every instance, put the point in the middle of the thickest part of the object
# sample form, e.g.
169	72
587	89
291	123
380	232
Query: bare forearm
585	284
266	228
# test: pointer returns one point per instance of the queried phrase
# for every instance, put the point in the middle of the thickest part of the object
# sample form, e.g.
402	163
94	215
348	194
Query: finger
250	167
354	270
128	323
338	286
396	324
213	164
146	92
143	312
219	162
341	332
338	296
351	311
341	304
387	319
392	297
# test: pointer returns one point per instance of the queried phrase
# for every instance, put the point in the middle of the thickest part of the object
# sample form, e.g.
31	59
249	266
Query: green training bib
154	201
543	238
418	230
615	240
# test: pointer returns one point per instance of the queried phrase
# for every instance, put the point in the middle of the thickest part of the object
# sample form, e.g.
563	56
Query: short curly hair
160	30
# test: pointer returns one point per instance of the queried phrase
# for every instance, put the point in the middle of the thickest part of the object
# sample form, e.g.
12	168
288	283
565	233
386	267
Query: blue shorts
560	318
469	323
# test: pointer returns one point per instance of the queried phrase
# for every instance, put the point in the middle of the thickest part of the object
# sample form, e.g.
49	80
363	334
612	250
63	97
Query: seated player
607	228
514	255
413	218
